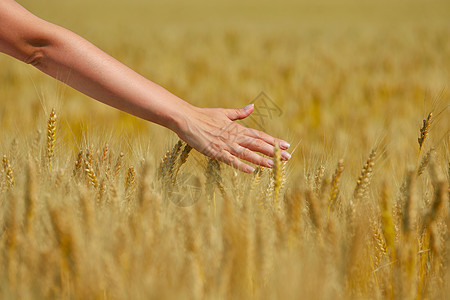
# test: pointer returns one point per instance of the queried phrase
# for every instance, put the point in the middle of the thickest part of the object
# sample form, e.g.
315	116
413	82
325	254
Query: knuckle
247	153
235	149
233	161
223	156
258	159
242	152
214	148
260	144
255	133
260	134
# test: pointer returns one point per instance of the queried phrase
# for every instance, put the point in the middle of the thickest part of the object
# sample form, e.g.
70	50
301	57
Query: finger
285	155
267	138
239	113
258	145
263	148
249	155
233	161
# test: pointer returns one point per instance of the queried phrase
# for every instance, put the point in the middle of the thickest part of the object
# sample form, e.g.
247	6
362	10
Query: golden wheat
95	227
277	174
51	135
334	192
9	173
363	182
424	131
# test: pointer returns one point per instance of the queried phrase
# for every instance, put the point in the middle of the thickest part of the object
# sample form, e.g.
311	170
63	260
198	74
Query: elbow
36	51
24	51
35	57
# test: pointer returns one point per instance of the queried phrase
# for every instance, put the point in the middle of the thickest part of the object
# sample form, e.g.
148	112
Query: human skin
73	60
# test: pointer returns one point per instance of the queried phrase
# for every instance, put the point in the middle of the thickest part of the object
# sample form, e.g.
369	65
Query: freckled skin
68	57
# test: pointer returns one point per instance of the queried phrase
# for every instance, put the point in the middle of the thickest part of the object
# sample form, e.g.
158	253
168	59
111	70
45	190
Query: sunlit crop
95	203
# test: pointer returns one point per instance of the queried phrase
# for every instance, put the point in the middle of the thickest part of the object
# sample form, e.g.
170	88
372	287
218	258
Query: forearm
86	68
66	56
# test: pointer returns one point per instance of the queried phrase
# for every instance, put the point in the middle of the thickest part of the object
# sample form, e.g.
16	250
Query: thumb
239	113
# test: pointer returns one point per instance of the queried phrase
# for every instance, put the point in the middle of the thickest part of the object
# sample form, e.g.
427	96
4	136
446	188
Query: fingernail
249	169
285	155
284	145
249	106
270	163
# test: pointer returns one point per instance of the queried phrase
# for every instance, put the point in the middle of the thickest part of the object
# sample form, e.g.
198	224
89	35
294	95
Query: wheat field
97	204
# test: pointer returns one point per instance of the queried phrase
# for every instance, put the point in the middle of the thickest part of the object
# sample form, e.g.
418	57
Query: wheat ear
363	183
10	180
51	137
78	163
425	161
183	158
257	175
424	131
118	164
168	164
90	173
130	181
334	192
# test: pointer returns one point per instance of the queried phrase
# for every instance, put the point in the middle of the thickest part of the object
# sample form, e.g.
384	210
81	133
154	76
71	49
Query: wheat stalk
30	195
65	240
143	193
314	208
318	178
130	180
168	165
257	175
424	131
410	205
214	178
87	208
425	161
101	192
364	178
90	173
378	237
9	173
387	221
277	174
78	163
118	164
439	202
51	137
334	191
181	161
106	158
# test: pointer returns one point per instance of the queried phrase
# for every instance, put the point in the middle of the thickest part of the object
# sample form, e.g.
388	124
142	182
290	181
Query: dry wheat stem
277	174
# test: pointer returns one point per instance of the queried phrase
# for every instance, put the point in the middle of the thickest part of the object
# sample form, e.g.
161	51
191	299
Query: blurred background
347	75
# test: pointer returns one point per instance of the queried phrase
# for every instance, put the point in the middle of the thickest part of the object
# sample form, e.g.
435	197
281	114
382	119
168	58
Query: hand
211	131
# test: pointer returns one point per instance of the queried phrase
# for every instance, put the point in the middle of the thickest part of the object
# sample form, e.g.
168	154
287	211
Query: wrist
177	118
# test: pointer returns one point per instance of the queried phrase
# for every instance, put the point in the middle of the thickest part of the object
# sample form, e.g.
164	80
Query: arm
66	56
